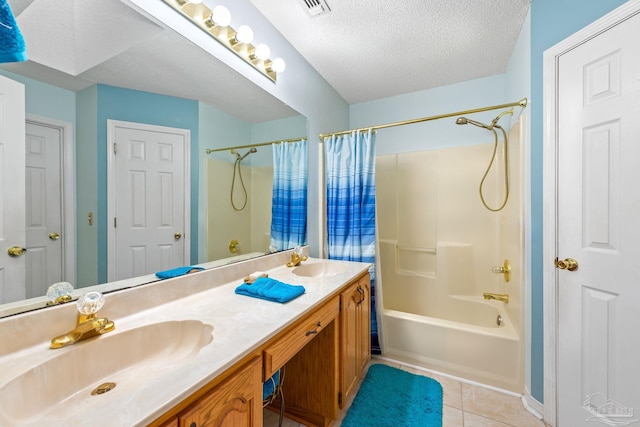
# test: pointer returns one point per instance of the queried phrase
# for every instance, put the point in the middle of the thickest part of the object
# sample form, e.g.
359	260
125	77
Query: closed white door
598	225
45	236
149	190
12	204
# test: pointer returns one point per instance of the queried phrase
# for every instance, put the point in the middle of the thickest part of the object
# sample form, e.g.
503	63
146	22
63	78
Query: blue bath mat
391	397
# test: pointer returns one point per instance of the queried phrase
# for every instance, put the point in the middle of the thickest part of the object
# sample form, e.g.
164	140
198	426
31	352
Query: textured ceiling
378	48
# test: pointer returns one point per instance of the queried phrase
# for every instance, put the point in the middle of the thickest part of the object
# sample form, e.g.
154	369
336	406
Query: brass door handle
16	251
54	236
566	264
177	236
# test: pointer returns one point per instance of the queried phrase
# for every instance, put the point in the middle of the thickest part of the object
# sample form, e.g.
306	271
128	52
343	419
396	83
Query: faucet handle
90	303
59	293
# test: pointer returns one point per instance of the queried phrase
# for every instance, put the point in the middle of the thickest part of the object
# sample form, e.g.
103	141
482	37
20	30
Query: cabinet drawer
291	341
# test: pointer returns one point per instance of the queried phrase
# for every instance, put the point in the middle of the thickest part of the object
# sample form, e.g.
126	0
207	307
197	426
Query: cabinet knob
193	424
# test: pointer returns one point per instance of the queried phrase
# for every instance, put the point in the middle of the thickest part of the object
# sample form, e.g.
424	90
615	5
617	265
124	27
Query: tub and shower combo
441	294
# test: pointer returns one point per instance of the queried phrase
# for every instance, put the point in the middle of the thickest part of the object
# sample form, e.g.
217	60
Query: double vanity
190	352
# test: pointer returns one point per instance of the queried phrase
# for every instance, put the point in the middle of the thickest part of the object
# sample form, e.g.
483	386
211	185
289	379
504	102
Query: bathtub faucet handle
503	269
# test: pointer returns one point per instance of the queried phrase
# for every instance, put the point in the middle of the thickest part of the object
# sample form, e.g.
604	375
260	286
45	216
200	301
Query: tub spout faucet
498	297
87	324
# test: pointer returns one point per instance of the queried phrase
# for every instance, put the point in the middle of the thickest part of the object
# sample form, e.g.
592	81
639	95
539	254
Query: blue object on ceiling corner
12	45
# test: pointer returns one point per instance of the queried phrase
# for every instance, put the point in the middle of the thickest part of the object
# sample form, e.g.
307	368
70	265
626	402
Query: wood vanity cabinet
235	402
355	335
325	353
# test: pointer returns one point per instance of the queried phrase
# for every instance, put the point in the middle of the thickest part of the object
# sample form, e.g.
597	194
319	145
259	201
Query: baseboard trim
532	405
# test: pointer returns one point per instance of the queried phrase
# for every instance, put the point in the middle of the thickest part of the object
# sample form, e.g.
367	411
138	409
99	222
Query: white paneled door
45	235
12	184
149	199
598	227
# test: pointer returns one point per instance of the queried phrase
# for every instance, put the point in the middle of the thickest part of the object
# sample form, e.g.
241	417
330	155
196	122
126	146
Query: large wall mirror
95	65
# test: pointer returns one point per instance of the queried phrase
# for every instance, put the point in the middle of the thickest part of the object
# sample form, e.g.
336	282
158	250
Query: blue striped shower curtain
351	204
289	199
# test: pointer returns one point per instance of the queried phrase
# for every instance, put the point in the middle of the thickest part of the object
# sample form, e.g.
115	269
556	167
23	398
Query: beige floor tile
473	420
497	406
451	417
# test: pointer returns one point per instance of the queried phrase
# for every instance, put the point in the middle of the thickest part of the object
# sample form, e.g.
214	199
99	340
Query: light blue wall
428	103
291	127
551	22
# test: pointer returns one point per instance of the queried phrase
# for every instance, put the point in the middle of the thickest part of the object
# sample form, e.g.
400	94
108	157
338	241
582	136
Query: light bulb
244	34
262	51
278	65
220	16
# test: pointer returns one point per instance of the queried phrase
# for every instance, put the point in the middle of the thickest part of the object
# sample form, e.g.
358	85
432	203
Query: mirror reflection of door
44	209
148	199
12	206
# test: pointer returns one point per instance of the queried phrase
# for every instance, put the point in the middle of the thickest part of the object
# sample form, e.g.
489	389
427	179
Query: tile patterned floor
465	405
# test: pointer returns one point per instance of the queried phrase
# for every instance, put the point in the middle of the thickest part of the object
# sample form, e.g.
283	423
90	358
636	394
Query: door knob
16	251
177	236
54	236
566	264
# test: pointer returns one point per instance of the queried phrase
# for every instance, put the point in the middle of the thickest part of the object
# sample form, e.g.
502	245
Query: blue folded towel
270	290
12	46
175	272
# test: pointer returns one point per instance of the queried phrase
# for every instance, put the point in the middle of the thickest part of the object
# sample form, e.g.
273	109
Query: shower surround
437	246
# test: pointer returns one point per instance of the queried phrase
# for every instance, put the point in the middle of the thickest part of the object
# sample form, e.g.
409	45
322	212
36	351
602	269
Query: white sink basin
67	379
319	269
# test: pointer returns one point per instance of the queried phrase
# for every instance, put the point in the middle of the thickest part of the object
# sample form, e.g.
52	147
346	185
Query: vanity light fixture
216	22
219	16
262	52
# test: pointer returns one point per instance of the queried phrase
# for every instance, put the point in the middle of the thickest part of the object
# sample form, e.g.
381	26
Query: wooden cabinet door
364	324
355	335
236	402
350	348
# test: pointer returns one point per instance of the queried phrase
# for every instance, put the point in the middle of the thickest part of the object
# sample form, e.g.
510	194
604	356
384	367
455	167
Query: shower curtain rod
522	103
211	150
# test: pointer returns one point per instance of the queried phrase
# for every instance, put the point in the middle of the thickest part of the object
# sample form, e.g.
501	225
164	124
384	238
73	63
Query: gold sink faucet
296	257
87	324
498	297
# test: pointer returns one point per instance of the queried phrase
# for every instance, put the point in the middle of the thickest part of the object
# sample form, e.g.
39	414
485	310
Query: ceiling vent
315	8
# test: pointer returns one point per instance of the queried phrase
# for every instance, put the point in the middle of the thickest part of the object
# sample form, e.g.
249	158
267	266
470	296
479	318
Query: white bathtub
483	352
455	334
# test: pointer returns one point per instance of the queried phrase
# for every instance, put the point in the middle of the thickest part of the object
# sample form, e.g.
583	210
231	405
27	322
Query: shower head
464	121
252	150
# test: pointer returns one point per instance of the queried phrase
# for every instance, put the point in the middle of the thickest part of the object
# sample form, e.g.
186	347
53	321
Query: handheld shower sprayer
465	121
238	171
494	124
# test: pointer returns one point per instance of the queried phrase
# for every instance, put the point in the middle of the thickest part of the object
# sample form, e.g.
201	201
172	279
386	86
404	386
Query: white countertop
240	325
